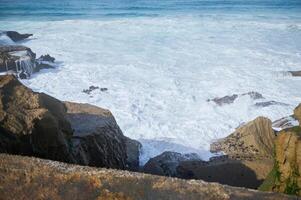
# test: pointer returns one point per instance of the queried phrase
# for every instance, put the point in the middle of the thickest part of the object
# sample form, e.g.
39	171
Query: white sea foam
160	72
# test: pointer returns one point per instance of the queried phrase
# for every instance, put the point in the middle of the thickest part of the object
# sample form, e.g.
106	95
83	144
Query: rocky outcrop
251	141
97	133
295	73
285	176
32	178
248	159
36	124
284	123
297	113
166	163
16	36
32	123
230	99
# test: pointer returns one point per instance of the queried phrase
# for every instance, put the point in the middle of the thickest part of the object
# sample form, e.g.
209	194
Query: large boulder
98	140
248	159
36	124
32	178
166	163
254	140
285	175
32	123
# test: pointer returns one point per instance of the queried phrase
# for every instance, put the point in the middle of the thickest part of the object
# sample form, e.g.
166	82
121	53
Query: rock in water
17	59
16	37
297	113
32	178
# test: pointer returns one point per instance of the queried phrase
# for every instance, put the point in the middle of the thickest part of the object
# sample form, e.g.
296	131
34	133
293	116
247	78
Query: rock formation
166	163
33	178
15	36
39	125
285	175
248	159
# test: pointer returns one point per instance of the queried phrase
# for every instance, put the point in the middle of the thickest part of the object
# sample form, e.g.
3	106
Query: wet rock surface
16	36
269	103
93	88
32	178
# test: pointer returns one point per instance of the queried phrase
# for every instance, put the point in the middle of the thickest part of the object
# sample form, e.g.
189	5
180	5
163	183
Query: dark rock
269	103
103	89
91	88
133	148
226	171
284	123
98	140
295	73
224	100
166	163
254	95
46	58
36	124
18	59
15	36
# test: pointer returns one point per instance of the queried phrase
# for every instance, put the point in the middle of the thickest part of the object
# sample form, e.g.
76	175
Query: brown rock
297	113
32	178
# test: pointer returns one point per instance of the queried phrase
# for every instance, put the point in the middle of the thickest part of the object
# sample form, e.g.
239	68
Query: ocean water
162	59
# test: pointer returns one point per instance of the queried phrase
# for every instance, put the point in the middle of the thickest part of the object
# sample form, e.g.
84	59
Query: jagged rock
254	95
133	148
285	176
251	141
46	58
32	178
269	103
19	60
224	100
284	123
295	73
297	113
248	159
32	123
15	36
230	99
36	124
166	163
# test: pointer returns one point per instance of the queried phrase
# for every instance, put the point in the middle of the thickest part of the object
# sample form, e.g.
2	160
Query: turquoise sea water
70	9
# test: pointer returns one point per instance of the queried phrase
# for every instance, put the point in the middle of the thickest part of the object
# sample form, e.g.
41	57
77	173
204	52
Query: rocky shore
260	154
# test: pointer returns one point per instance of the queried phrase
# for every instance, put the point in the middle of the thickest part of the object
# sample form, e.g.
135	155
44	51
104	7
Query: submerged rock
295	73
92	88
269	103
230	99
15	36
284	123
32	178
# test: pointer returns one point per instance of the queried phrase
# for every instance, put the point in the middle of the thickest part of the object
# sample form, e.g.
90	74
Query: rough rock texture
19	60
166	163
251	141
133	148
32	123
297	113
15	36
230	99
285	176
295	73
269	103
39	125
248	159
284	123
32	178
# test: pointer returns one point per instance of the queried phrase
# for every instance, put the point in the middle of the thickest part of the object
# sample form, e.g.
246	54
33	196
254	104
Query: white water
160	71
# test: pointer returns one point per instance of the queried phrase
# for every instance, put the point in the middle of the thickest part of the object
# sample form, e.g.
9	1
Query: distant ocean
161	60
